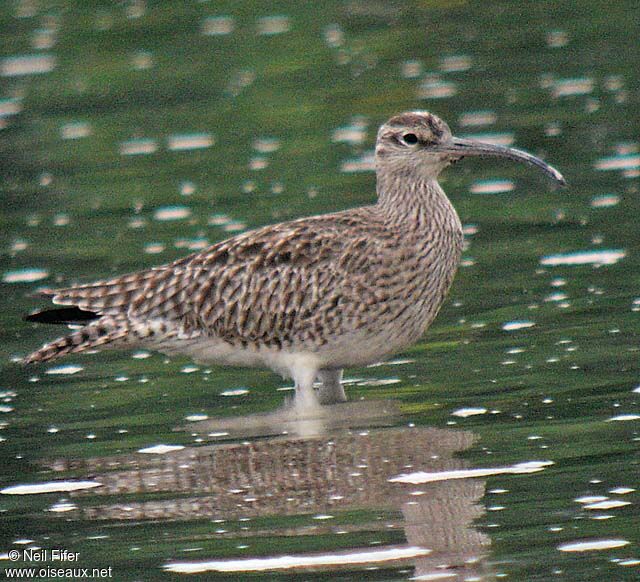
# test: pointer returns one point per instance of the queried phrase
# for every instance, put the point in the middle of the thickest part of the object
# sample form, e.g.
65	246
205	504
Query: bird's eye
410	138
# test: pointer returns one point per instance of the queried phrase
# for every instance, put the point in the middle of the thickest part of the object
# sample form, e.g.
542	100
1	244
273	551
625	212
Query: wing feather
268	285
272	284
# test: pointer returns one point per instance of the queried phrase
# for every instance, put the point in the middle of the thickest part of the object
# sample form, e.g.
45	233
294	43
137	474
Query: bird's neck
406	197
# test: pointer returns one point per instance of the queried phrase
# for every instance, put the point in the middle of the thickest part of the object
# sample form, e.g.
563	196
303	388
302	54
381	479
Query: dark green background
580	361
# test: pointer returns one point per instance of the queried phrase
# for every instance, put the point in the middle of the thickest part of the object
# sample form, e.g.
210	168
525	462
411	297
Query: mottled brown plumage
308	297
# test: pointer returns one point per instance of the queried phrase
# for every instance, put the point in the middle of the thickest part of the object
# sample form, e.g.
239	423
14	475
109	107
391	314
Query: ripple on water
160	449
234	226
66	369
624	417
272	25
18	245
396	362
477	118
491	187
359	556
354	134
219	220
629	562
235	392
629	161
20	65
592	545
139	146
61	219
517	324
165	213
599	257
421	477
557	38
363	163
456	63
379	382
266	145
196	417
333	35
591	499
142	60
187	188
24	275
605	200
10	106
44	38
76	130
465	412
622	490
434	87
411	69
51	487
154	248
572	86
189	141
217	25
258	163
503	139
193	244
606	504
62	507
554	297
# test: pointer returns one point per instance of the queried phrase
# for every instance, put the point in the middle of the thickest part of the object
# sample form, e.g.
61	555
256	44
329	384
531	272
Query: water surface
503	445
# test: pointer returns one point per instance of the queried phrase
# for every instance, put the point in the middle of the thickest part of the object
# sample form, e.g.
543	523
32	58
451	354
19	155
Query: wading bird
306	298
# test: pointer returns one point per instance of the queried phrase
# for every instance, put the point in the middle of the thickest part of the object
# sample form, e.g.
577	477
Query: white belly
211	350
356	350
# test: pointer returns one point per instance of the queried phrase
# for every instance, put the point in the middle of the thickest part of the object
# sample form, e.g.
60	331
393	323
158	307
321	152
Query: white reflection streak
593	545
600	257
424	477
298	561
160	449
52	487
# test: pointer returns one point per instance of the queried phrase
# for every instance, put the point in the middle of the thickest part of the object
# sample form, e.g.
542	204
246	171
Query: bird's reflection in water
323	466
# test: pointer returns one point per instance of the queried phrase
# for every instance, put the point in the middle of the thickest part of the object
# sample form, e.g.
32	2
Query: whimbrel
306	298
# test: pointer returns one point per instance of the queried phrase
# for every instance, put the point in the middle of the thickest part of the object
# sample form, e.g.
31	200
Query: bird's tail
103	331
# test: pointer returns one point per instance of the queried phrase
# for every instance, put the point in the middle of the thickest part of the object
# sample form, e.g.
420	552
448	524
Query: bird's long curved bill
469	147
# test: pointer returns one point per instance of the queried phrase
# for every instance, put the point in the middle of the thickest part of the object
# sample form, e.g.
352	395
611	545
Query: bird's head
418	141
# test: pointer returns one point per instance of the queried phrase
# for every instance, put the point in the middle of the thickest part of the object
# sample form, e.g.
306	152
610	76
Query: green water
259	104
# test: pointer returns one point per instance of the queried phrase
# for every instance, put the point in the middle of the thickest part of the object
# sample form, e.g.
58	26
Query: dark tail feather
69	315
104	331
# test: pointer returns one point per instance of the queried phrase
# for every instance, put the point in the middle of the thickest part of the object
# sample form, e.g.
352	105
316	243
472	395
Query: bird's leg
331	390
306	399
